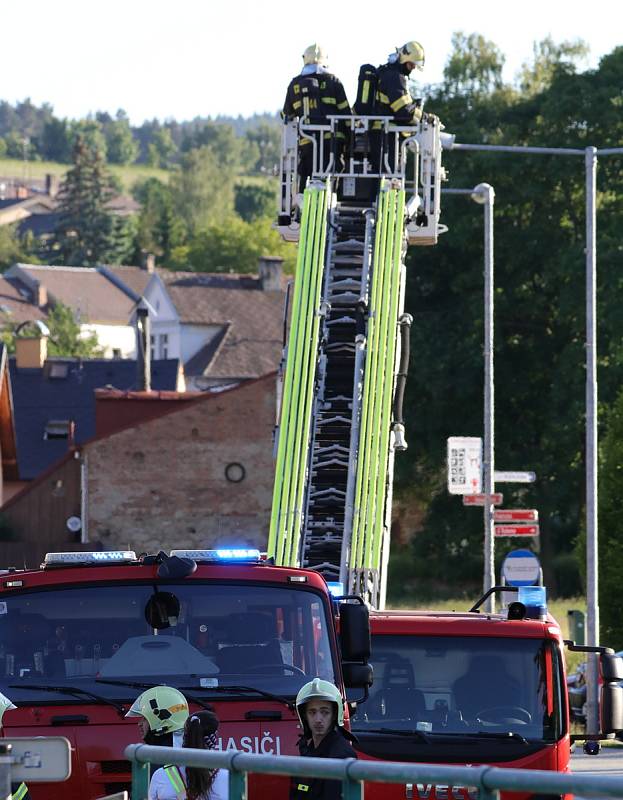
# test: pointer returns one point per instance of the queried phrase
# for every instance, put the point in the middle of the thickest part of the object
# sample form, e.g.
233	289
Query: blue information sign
521	568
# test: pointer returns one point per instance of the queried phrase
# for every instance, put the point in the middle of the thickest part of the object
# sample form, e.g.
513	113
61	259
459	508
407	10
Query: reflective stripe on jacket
176	780
393	98
20	793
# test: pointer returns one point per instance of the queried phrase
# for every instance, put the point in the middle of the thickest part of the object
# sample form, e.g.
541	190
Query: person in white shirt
189	783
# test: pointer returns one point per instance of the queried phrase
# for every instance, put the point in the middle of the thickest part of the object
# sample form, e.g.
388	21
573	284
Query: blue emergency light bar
336	588
227	555
534	599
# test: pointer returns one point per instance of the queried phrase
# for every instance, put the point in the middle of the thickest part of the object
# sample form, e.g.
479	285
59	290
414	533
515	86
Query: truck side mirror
611	708
611	667
354	632
357	676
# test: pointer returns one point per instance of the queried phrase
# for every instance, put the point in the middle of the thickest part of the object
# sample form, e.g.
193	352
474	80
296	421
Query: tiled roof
85	290
39	398
254	319
14	307
133	278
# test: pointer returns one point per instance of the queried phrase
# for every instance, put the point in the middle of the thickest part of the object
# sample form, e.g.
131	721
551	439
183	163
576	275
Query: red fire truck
472	688
84	635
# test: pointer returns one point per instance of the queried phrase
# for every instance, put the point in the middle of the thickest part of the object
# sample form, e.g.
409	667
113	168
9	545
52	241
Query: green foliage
56	140
549	59
202	189
233	245
3	148
611	528
87	233
267	139
65	335
539	317
159	230
253	201
474	67
12	249
121	145
161	150
233	153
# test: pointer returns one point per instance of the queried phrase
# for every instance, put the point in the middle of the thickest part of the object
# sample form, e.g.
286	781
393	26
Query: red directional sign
516	530
481	499
515	515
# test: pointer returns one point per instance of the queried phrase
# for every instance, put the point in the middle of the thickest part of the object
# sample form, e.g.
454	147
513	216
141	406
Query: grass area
28	170
557	608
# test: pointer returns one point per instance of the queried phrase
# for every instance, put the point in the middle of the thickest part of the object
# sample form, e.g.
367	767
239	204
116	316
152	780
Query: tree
87	232
160	229
232	152
122	148
253	201
267	139
65	335
202	189
56	140
161	150
474	67
12	249
549	59
233	245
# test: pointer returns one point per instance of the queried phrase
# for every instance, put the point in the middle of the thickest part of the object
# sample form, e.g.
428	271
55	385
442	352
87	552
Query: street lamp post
484	195
592	600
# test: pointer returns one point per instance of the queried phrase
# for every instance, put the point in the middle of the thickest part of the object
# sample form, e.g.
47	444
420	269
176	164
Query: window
57	429
116	352
57	370
164	345
152	347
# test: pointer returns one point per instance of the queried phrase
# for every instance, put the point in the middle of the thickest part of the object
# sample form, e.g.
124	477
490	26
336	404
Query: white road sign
514	477
464	465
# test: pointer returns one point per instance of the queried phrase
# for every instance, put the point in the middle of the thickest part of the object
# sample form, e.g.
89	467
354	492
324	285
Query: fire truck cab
472	688
85	634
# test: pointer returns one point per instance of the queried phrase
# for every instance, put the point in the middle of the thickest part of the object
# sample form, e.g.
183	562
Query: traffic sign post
521	568
464	464
515	515
516	530
494	499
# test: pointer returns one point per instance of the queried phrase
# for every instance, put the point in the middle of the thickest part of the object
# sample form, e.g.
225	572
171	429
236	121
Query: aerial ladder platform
342	377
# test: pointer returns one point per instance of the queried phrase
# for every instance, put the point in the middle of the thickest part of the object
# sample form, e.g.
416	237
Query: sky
187	58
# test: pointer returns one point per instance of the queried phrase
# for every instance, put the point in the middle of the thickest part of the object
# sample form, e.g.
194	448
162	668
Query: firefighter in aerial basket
19	791
320	708
313	96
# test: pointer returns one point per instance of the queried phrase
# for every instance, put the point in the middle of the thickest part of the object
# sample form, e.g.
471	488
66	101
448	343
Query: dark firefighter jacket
393	98
312	98
334	745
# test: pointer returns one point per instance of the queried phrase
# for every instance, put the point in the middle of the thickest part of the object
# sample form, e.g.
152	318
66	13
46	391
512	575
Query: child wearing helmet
162	712
176	783
320	709
19	791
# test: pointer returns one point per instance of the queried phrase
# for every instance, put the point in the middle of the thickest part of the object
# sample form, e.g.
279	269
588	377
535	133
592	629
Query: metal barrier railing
487	781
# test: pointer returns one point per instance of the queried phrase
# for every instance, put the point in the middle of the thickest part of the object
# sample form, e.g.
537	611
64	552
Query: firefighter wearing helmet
19	791
162	712
320	708
393	98
313	96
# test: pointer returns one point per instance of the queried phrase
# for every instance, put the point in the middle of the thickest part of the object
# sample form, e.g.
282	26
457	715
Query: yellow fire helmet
5	705
319	690
164	708
315	54
413	52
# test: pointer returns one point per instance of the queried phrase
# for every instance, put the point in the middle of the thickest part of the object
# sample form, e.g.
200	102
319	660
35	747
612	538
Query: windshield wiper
422	737
241	690
202	703
76	691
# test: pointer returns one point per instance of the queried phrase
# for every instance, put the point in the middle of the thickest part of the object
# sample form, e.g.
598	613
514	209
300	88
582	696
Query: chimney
39	294
51	185
149	262
143	349
31	351
269	269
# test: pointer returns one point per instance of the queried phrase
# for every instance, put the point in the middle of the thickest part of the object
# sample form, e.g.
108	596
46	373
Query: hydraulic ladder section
340	422
300	374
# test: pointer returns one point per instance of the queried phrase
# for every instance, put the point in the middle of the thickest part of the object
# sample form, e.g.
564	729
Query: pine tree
87	233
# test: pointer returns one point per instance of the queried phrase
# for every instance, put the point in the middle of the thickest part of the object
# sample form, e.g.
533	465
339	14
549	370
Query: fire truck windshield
100	639
489	698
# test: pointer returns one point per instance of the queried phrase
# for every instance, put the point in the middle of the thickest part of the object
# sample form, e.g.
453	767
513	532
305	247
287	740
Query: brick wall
162	484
